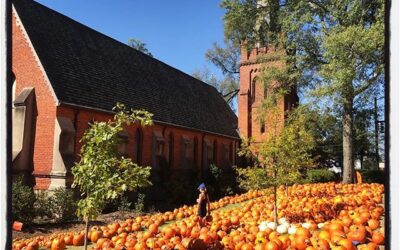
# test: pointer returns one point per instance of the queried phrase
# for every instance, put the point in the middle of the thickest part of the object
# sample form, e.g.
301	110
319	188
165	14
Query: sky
177	32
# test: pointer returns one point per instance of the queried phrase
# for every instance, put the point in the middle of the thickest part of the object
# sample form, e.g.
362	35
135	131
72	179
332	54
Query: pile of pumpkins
334	216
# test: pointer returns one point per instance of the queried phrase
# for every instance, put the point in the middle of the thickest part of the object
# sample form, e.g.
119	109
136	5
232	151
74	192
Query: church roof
89	69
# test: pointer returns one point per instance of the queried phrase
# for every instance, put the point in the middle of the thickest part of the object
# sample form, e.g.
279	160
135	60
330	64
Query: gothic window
253	91
171	149
208	152
138	145
215	158
262	126
123	143
187	153
158	150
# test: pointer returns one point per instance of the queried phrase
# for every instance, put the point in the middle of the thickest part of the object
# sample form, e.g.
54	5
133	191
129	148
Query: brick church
68	75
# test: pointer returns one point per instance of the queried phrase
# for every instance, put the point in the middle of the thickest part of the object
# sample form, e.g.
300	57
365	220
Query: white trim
39	63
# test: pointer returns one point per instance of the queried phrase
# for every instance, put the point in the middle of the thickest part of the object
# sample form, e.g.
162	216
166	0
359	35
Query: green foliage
44	206
140	202
281	157
326	130
139	45
180	188
251	21
23	200
102	174
320	175
220	181
254	178
64	204
124	204
373	176
334	50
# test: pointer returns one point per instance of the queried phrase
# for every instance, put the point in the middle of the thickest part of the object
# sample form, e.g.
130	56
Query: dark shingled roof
87	68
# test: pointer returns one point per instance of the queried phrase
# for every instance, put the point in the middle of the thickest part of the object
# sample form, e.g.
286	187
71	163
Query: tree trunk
348	162
86	231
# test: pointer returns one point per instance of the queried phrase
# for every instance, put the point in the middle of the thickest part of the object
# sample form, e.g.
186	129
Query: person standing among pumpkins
203	205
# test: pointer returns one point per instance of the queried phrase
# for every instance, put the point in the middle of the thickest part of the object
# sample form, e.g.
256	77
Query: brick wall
252	92
81	118
28	73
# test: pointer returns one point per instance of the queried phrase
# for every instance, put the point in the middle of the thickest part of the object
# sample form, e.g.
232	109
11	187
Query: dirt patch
74	226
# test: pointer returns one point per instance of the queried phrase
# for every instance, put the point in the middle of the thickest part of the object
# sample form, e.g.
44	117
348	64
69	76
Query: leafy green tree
334	47
102	174
281	157
139	45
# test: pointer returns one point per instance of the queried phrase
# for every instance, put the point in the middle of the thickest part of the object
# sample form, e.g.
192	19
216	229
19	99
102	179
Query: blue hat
202	186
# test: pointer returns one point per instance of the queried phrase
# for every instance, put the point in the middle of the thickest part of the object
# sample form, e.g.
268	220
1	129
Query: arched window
138	145
253	90
262	126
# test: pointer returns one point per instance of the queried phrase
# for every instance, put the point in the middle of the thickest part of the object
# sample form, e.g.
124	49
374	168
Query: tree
227	86
103	174
336	47
227	60
139	45
281	157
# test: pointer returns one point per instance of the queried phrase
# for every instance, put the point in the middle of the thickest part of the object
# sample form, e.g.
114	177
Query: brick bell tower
251	93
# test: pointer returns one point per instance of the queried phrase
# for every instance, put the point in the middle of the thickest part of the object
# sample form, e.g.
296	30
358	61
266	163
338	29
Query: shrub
44	206
320	175
23	200
373	176
220	181
181	187
64	205
139	204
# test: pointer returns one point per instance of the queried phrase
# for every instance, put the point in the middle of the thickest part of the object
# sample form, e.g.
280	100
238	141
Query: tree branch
367	84
234	93
321	6
222	65
227	94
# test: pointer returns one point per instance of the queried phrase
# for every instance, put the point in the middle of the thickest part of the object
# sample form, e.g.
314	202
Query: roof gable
87	68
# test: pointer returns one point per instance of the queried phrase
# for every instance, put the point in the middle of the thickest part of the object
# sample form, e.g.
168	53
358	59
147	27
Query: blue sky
177	32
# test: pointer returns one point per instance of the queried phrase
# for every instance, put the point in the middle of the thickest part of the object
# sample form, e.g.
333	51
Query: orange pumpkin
58	244
78	240
378	238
